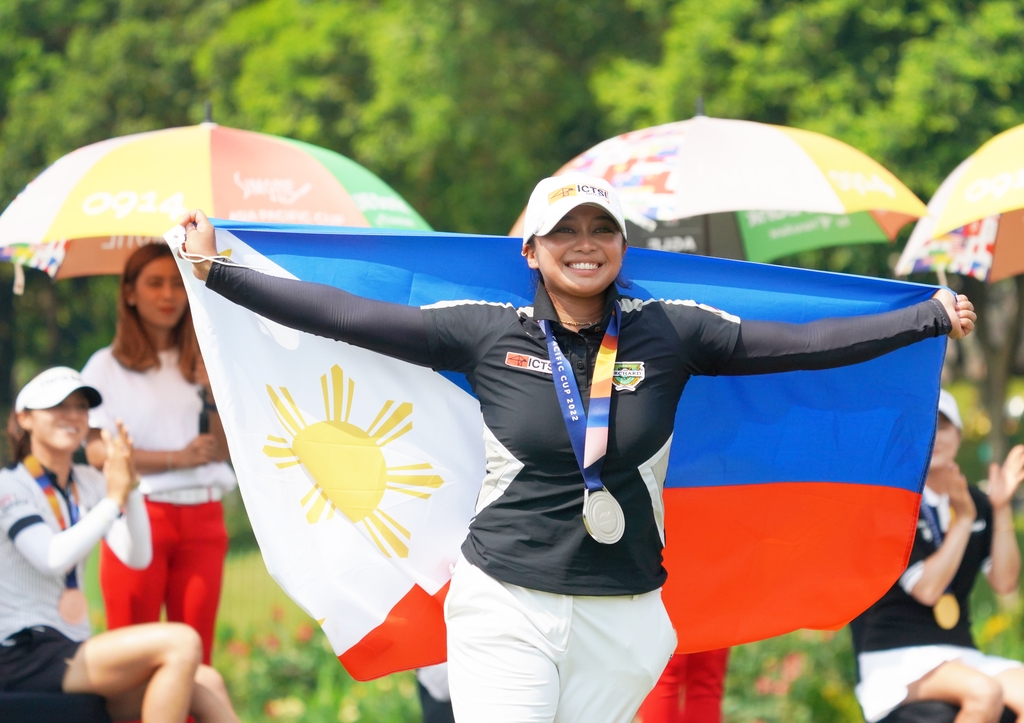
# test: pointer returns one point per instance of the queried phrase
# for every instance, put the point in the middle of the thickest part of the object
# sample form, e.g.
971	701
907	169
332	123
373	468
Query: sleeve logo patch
525	361
626	376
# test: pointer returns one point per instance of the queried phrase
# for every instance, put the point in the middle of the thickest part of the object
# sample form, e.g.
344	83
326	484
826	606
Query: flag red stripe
772	558
412	636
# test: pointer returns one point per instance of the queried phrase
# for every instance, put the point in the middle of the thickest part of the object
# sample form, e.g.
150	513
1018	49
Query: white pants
517	655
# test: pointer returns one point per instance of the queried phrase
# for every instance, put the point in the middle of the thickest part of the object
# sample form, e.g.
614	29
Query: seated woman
54	513
916	642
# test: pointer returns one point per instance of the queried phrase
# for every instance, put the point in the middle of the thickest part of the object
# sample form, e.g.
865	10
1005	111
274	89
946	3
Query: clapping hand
119	467
1003	481
947	478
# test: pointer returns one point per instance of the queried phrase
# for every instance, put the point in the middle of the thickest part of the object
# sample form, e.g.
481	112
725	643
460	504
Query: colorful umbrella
975	221
86	213
990	182
681	183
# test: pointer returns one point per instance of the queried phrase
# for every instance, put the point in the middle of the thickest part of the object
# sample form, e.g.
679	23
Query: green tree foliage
73	73
461	106
916	85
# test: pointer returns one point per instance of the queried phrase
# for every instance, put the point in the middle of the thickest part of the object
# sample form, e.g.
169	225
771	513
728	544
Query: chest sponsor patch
525	361
627	375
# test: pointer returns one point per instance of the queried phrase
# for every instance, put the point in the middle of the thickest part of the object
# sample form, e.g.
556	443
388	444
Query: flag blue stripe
871	423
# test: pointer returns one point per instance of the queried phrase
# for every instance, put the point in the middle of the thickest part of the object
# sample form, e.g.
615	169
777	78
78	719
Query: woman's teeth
582	265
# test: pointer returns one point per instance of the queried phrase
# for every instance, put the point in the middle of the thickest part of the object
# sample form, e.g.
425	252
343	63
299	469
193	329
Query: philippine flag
790	499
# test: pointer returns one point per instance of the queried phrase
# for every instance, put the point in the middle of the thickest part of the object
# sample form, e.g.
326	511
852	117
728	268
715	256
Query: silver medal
603	517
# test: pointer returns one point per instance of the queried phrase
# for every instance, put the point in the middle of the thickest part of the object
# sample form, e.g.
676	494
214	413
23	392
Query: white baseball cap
554	197
948	408
50	388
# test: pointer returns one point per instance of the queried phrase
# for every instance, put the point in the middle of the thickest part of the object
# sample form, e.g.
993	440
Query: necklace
578	323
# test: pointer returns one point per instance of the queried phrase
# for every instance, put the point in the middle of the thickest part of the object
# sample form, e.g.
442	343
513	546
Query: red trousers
701	676
189	545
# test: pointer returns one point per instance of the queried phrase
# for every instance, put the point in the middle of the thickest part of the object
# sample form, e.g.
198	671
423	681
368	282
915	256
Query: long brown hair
19	441
132	346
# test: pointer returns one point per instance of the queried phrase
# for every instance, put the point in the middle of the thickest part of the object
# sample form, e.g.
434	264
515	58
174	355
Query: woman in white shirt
152	377
53	513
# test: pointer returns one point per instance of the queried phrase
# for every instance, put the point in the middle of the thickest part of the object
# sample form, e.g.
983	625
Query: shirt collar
544	309
52	476
941	504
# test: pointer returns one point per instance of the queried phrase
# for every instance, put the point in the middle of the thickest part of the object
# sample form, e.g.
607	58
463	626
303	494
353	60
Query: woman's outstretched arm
396	330
766	347
393	329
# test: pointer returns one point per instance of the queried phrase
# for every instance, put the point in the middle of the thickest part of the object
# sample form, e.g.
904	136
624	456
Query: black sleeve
922	548
395	330
765	347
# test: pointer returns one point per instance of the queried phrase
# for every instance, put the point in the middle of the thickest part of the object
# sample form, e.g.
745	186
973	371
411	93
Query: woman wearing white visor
554	611
52	514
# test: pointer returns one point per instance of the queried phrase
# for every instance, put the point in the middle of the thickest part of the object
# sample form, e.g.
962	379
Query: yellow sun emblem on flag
347	463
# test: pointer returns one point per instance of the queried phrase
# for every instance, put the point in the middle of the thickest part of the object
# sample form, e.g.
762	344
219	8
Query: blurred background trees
462	105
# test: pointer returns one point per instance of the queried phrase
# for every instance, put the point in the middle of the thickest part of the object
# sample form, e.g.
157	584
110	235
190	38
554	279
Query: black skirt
35	659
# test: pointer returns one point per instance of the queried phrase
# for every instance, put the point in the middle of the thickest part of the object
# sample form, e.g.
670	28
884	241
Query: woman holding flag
554	611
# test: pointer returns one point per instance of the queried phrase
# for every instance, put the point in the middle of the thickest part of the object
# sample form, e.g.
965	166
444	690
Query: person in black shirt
915	642
554	611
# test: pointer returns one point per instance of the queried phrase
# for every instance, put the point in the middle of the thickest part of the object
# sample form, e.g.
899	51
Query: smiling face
59	430
581	256
158	294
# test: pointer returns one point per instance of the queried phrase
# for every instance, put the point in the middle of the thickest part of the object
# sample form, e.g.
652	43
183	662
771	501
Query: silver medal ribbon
602	514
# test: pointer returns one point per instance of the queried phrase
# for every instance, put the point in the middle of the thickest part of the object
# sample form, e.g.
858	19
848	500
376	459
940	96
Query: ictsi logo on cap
555	197
578	188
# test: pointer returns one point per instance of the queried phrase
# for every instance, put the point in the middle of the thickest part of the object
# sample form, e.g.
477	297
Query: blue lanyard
931	519
581	429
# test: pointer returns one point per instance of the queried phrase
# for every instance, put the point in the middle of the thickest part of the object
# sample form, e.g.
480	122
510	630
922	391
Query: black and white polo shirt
529	529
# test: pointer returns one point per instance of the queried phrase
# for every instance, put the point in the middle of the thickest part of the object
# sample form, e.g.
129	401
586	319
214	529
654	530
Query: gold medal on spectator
947	611
73	606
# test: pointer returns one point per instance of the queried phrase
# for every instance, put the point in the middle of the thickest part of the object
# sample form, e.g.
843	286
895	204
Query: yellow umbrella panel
88	211
989	182
987	208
